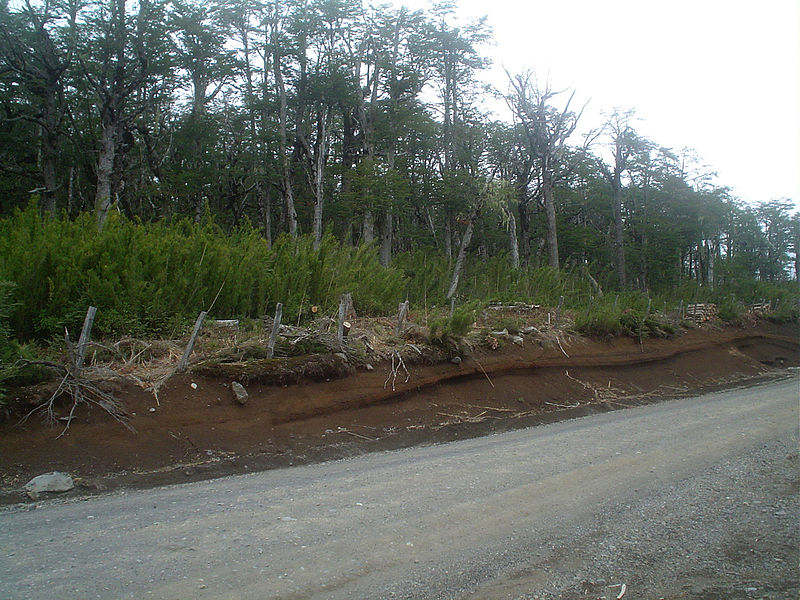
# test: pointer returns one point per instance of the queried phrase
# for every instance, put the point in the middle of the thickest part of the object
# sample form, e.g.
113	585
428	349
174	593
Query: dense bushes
154	277
489	278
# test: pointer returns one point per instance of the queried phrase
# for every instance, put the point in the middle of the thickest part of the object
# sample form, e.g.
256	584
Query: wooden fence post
345	303
558	310
83	342
276	327
190	346
402	311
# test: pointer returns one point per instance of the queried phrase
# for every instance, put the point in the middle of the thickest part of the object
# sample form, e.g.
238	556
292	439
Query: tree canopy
307	116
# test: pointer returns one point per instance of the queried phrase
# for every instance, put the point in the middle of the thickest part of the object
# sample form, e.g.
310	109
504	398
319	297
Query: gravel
693	498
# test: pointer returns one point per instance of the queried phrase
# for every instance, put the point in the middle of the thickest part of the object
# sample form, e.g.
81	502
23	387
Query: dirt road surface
691	498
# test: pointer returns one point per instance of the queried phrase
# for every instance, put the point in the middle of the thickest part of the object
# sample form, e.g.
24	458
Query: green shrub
787	311
730	311
626	314
155	278
603	320
448	330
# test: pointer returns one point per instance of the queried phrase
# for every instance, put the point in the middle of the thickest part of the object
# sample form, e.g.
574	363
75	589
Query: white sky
719	76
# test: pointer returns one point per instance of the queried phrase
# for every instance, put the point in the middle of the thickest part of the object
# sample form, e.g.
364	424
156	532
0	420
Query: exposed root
80	390
397	363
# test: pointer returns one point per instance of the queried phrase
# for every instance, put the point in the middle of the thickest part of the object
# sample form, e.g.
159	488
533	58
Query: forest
163	156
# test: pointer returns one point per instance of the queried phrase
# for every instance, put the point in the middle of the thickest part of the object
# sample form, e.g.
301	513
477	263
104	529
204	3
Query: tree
201	32
119	53
547	129
37	46
624	141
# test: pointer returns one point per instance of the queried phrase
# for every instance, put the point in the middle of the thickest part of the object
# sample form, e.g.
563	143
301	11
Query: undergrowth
153	279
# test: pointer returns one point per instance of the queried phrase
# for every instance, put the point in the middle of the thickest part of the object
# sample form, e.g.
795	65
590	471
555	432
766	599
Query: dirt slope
199	432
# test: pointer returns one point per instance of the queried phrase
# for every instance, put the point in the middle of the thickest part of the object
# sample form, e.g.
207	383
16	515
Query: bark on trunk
386	238
619	232
550	212
105	167
265	207
368	227
643	270
462	254
448	236
49	155
319	176
524	223
512	238
286	172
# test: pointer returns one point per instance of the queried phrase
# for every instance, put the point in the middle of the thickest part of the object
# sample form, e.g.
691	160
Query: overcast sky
719	76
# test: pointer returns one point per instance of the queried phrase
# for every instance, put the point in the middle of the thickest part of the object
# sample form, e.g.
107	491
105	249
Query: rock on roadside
240	392
50	482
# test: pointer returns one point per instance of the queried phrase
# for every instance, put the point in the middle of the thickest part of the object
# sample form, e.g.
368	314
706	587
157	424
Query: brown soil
202	433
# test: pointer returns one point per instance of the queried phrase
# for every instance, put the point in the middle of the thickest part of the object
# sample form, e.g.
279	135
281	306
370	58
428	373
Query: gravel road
692	498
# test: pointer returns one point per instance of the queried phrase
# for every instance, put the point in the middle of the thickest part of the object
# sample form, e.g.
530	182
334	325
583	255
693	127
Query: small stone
340	355
456	360
153	409
193	385
240	392
369	367
50	482
517	339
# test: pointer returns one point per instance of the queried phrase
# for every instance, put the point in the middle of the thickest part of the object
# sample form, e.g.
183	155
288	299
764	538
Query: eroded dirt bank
202	432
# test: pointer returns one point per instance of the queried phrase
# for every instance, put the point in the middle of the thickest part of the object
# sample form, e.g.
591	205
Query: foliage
8	346
449	330
626	314
150	278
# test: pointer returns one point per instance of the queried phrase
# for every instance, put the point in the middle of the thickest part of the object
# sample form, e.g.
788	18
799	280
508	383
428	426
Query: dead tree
547	129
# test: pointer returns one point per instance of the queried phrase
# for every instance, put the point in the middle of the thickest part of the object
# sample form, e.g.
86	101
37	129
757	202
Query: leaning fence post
276	327
402	311
190	346
343	304
83	342
558	310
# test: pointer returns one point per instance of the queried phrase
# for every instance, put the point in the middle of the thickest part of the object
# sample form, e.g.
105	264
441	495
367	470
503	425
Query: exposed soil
199	431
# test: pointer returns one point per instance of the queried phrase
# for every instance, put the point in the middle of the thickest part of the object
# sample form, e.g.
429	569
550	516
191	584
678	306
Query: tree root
81	391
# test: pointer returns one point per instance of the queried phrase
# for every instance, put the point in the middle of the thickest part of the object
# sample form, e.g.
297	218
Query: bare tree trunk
319	175
512	238
265	206
386	238
49	155
462	254
643	270
619	231
524	223
105	167
448	235
368	227
550	212
286	172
